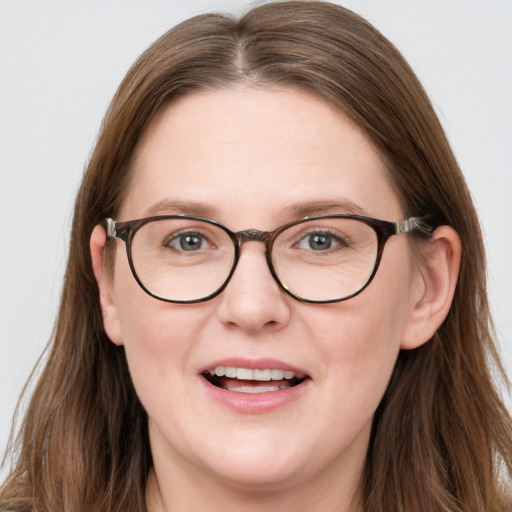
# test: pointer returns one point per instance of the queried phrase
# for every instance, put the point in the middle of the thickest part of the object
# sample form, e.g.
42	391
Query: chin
258	476
257	460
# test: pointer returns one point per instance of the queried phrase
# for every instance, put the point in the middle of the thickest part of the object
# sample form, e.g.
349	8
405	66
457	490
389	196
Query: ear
105	285
433	290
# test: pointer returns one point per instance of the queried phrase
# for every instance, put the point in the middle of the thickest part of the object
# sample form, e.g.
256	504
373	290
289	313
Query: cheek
359	349
360	340
159	339
368	325
156	335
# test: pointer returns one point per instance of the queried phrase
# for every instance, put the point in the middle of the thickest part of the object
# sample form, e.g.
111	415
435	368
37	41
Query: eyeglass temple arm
411	224
115	229
110	227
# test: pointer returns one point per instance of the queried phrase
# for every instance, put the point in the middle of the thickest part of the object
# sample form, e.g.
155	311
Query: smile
246	380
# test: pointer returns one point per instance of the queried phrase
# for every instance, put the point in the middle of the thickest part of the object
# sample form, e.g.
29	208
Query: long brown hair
441	438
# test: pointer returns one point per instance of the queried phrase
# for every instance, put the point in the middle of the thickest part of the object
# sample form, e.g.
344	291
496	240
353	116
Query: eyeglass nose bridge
253	235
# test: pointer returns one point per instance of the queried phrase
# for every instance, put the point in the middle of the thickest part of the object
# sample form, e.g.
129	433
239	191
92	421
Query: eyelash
178	235
335	237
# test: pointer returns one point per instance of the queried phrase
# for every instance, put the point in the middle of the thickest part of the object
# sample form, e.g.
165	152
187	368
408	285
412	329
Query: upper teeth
248	374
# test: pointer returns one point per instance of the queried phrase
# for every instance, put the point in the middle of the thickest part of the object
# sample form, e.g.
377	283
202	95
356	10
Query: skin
248	156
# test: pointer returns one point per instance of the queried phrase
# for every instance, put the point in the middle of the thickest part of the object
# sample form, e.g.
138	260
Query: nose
252	300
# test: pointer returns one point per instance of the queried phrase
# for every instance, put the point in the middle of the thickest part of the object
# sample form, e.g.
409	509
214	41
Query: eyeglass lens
317	259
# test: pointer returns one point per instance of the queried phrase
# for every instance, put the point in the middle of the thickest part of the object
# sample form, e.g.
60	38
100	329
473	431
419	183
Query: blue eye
321	241
188	242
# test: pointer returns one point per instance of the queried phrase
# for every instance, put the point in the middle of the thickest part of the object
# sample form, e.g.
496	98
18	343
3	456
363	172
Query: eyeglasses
323	259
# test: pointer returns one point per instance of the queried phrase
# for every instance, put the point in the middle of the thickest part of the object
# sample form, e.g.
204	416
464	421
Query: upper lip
254	364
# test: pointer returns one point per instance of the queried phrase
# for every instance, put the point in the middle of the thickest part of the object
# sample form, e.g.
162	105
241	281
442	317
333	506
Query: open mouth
246	380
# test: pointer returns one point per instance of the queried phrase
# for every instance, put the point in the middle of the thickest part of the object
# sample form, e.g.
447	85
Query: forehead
239	151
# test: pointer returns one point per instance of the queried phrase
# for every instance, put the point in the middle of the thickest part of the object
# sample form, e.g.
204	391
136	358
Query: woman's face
260	158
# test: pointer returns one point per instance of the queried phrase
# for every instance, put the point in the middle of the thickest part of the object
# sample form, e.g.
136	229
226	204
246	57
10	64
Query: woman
275	293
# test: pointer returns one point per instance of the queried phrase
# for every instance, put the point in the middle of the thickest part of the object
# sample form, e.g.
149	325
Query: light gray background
61	61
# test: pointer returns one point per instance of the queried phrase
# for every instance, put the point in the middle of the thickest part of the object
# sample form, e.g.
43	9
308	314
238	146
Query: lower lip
255	403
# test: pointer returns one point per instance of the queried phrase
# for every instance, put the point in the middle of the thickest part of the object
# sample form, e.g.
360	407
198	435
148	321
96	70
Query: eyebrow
168	206
294	211
307	209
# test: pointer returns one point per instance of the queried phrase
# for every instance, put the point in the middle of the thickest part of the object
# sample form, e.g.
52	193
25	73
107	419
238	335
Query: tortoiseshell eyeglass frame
384	230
